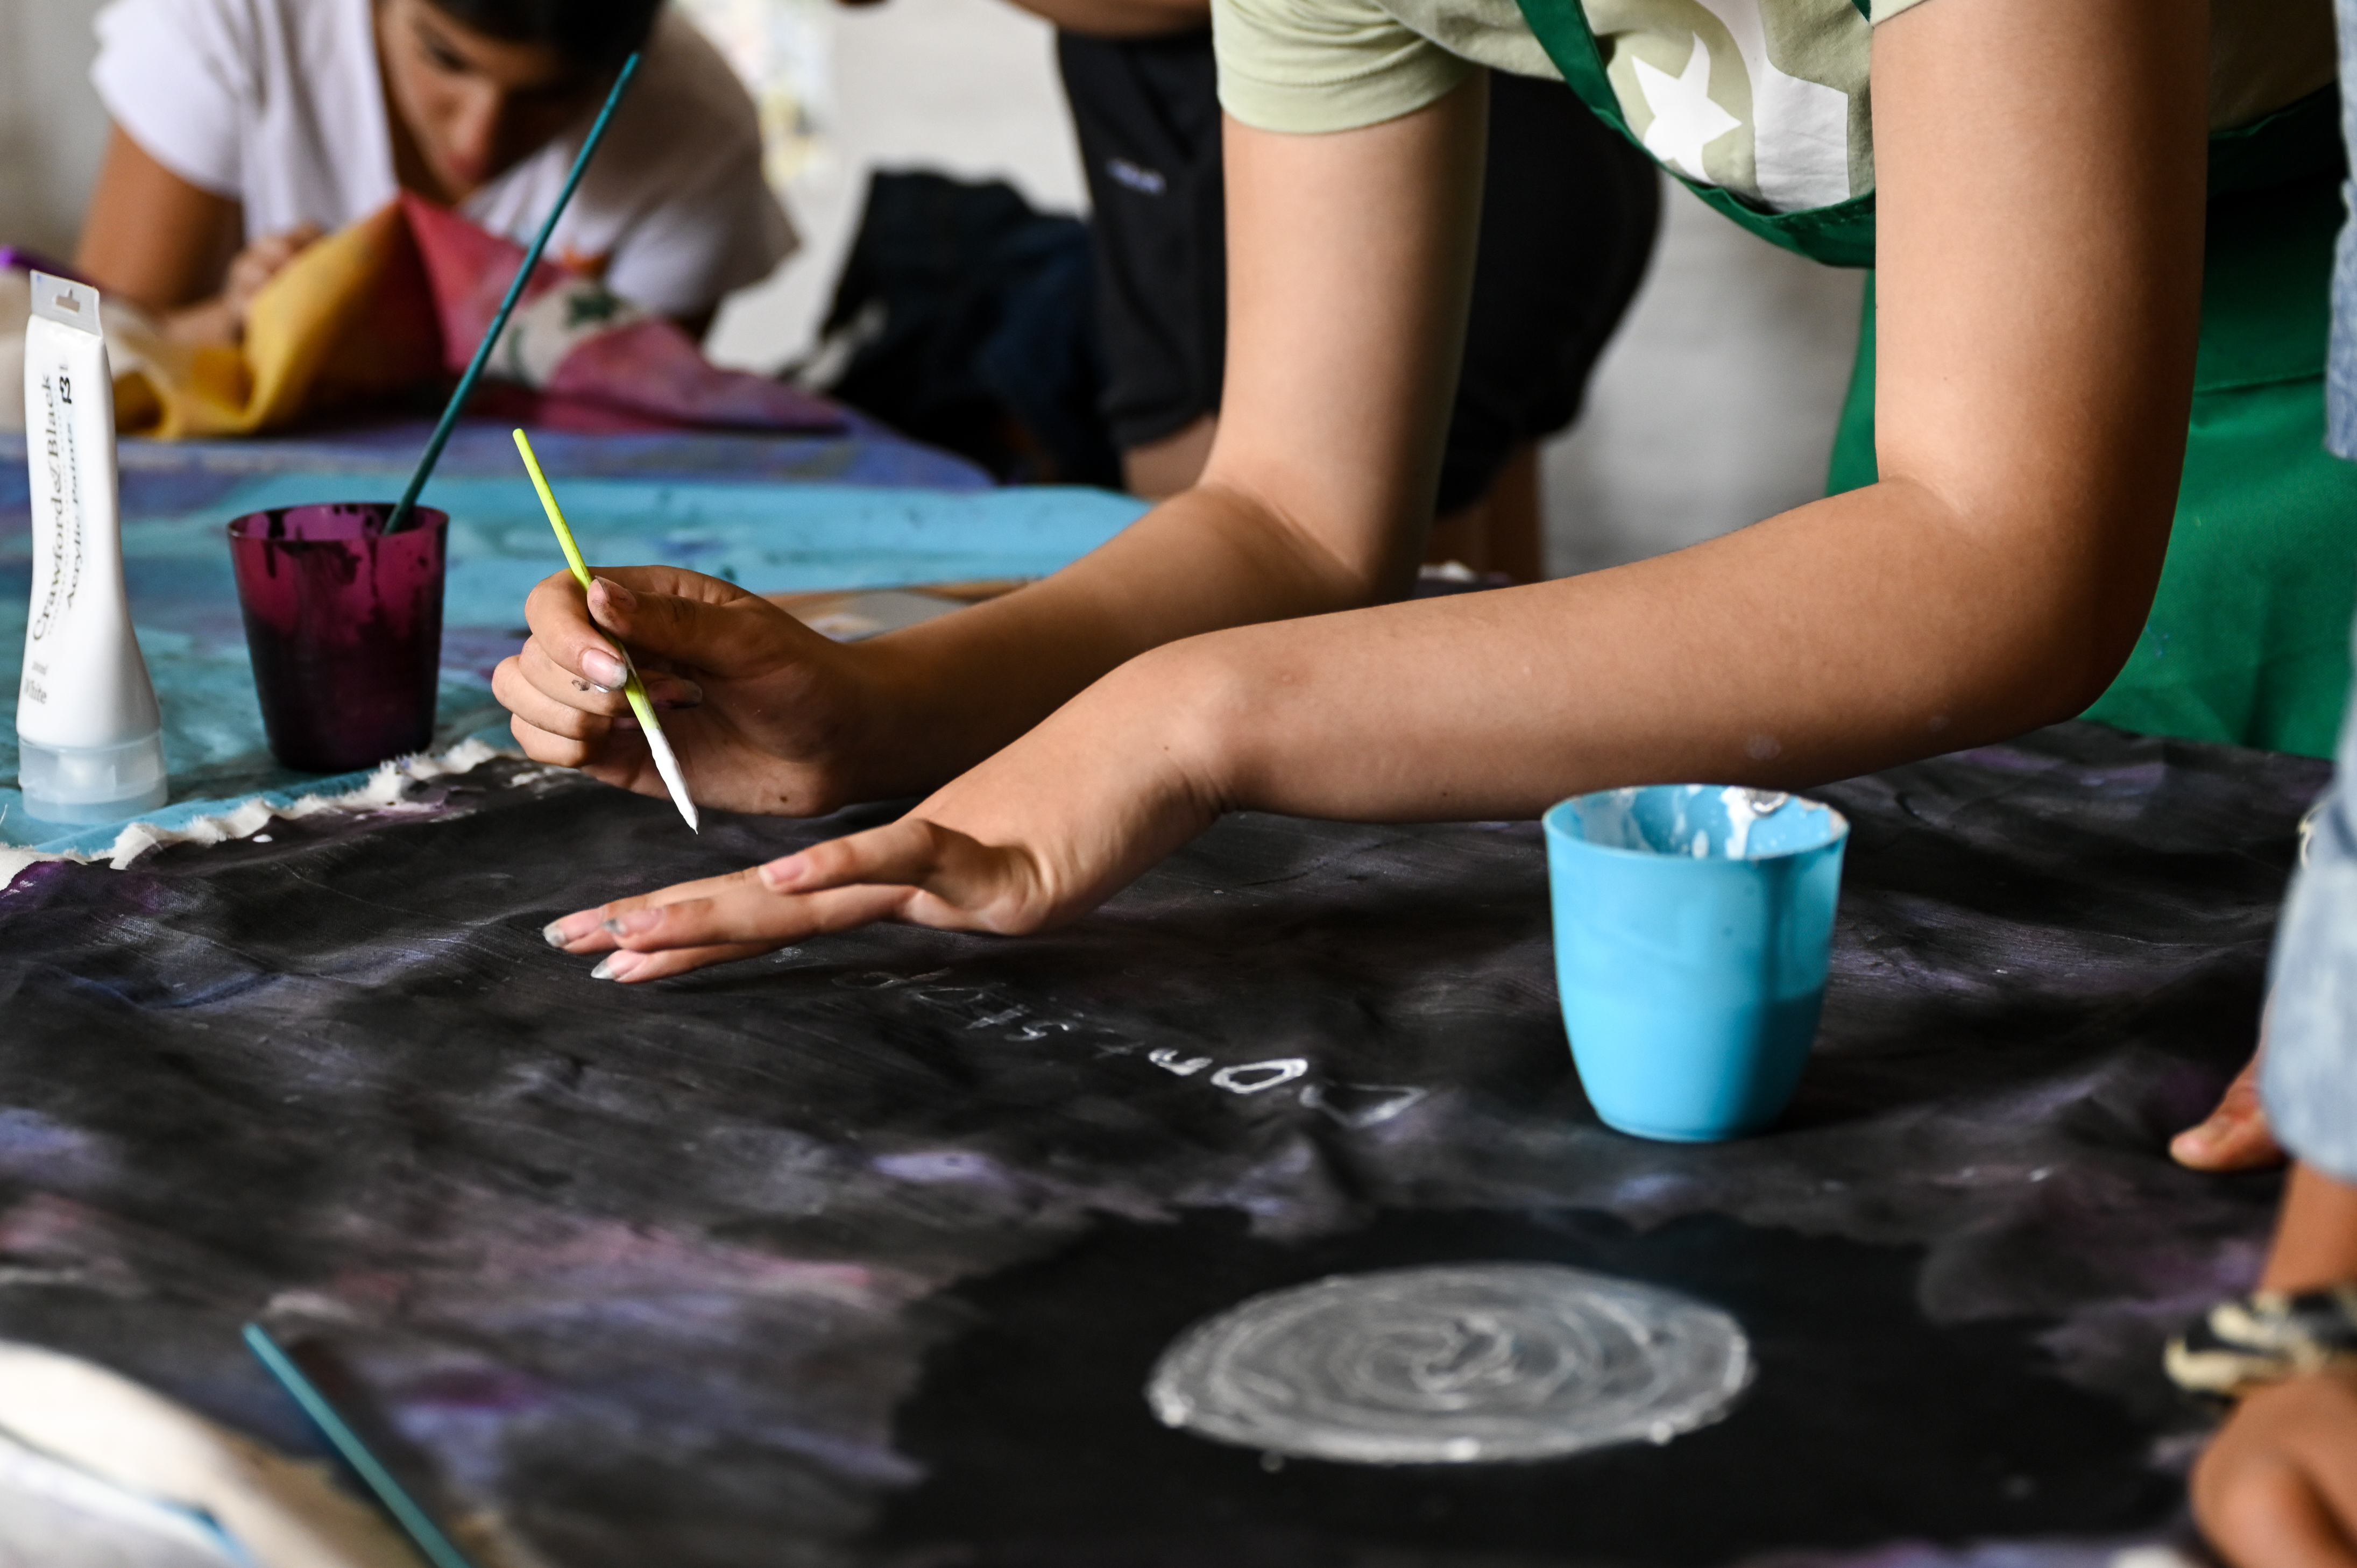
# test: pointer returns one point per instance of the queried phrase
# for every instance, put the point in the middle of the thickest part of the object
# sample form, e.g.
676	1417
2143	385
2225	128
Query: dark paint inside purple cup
344	624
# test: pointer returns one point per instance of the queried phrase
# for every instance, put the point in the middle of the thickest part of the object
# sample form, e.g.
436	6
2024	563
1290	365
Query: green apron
2248	638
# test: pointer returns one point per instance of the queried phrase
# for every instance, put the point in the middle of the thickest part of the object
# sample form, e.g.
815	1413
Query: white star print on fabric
1800	129
1685	119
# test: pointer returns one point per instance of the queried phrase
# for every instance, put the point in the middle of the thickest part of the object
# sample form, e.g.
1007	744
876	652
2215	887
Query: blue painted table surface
777	515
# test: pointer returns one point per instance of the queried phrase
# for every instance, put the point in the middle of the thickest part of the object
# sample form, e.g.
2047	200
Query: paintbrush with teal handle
407	505
438	1548
634	689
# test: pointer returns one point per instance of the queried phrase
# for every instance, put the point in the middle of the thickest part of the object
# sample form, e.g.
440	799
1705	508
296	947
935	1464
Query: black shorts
1567	223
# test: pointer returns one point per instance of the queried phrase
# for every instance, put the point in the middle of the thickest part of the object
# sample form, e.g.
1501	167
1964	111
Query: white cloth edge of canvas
248	817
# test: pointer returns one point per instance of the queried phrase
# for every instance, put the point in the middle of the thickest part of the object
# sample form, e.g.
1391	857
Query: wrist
214	323
889	745
1193	704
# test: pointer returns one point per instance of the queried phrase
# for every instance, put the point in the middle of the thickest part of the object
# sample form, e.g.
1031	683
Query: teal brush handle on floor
437	1547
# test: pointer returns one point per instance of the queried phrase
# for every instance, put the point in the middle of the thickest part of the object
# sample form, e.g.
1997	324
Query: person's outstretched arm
152	238
172	248
2041	174
1352	274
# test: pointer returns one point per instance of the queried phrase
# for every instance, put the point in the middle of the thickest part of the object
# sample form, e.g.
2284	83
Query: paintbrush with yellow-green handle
666	763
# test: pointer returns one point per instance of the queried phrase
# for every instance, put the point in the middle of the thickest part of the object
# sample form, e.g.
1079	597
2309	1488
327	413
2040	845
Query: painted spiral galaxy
1456	1365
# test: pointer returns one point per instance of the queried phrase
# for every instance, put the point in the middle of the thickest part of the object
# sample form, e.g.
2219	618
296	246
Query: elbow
2104	619
2049	590
1321	559
2056	697
2080	640
2086	649
2089	676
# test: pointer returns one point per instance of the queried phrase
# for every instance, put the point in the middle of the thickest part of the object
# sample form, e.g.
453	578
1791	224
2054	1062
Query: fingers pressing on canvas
914	870
637	968
684	928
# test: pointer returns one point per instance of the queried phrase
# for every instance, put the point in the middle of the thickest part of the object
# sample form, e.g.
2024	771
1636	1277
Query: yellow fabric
349	318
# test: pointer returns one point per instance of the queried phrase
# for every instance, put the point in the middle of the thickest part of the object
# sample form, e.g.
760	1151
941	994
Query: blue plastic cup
1693	927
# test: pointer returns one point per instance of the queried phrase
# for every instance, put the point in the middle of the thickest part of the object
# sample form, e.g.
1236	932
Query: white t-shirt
278	104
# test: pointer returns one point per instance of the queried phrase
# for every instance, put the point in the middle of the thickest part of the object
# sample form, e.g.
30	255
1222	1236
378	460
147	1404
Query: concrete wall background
966	87
1714	408
51	133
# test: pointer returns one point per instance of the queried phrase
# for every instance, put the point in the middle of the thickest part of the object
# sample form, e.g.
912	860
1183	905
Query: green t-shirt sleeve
1886	9
1325	65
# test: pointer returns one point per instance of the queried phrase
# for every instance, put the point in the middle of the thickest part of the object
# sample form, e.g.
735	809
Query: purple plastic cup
344	624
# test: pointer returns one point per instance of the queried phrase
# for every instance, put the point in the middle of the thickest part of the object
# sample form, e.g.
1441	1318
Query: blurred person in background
1568	224
245	129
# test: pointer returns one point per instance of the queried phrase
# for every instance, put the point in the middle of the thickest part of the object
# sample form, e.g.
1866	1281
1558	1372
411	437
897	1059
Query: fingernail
636	921
570	929
617	595
617	966
605	670
782	872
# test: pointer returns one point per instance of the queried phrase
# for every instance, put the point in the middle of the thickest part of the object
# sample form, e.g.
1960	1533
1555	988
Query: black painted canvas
861	1252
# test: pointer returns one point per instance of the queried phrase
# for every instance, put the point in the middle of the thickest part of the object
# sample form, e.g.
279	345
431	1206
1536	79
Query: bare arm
2038	290
172	248
1350	261
151	237
2042	186
1359	252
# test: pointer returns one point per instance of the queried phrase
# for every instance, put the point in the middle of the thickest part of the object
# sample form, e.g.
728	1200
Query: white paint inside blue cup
1703	822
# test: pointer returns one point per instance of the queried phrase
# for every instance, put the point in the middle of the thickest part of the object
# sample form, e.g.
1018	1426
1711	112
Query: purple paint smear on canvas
860	1253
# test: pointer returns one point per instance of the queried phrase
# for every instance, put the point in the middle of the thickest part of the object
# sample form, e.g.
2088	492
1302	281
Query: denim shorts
2310	1076
2341	367
2341	372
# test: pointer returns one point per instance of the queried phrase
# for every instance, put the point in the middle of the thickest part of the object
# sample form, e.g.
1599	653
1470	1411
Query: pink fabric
647	369
468	270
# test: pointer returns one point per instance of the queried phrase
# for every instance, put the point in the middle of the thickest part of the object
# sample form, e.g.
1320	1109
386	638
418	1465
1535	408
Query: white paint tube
89	735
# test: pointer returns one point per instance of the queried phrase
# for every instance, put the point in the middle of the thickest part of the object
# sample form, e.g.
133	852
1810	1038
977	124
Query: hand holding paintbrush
633	687
766	715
